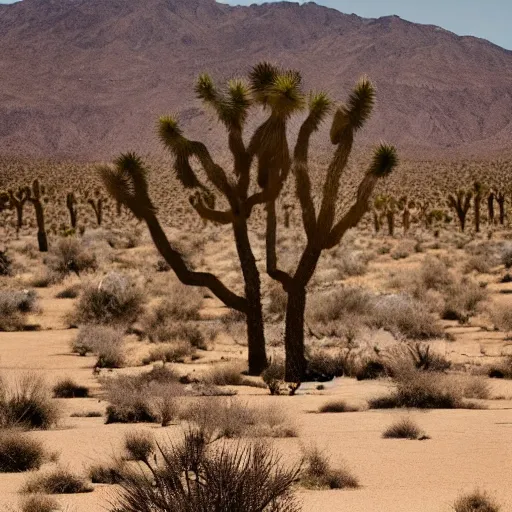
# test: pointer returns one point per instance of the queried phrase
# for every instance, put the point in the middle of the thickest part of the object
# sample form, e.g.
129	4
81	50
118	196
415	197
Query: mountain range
87	79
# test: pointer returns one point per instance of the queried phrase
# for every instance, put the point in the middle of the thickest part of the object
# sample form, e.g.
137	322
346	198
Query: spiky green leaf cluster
231	106
127	184
385	159
280	90
360	103
319	106
169	131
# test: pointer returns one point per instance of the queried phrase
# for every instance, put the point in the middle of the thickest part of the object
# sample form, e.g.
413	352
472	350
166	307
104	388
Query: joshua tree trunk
390	217
255	328
490	207
477	216
461	203
41	231
296	363
500	199
19	217
406	220
376	221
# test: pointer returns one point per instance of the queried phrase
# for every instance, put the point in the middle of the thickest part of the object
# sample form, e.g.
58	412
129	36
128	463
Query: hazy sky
490	19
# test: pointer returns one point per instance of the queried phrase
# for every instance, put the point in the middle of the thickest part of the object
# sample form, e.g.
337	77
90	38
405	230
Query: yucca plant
198	476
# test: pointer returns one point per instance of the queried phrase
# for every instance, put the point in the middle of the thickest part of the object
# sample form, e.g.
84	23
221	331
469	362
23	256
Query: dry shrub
39	503
477	501
27	404
506	256
14	306
176	352
273	376
115	300
5	264
58	481
68	388
350	263
337	406
422	390
479	264
434	274
230	374
278	299
70	292
19	453
196	473
95	338
147	398
404	429
501	316
502	370
336	305
105	473
69	255
463	300
318	473
403	315
231	418
139	446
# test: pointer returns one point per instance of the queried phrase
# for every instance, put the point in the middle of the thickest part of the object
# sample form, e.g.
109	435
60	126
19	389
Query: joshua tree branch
186	276
271	242
355	213
221	217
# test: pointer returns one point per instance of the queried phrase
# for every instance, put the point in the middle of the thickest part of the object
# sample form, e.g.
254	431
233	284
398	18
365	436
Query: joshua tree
479	192
405	206
71	206
97	206
461	203
17	200
388	206
490	206
275	91
500	199
322	228
34	195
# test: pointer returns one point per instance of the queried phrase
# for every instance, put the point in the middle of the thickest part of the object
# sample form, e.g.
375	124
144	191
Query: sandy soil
468	449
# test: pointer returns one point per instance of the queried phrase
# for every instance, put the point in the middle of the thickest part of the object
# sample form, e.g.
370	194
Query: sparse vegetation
58	481
476	501
19	452
404	429
68	388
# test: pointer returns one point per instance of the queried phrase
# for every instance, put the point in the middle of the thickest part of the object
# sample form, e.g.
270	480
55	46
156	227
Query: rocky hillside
89	78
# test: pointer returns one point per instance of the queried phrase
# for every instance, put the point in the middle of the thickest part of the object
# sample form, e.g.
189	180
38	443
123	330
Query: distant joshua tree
35	194
461	203
280	94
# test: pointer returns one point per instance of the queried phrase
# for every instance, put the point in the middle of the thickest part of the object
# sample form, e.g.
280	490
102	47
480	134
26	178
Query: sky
489	19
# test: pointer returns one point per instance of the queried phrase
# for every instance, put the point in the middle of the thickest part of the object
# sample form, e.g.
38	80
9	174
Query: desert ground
466	448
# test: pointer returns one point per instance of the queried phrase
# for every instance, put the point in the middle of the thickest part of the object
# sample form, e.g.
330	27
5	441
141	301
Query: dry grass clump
19	453
318	473
230	374
39	503
404	429
336	305
115	300
175	352
337	406
400	314
502	370
403	315
463	300
68	388
501	317
148	398
231	418
139	446
434	274
58	481
14	306
105	342
197	473
5	264
278	299
422	390
350	263
69	255
27	404
476	501
70	292
273	376
105	473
